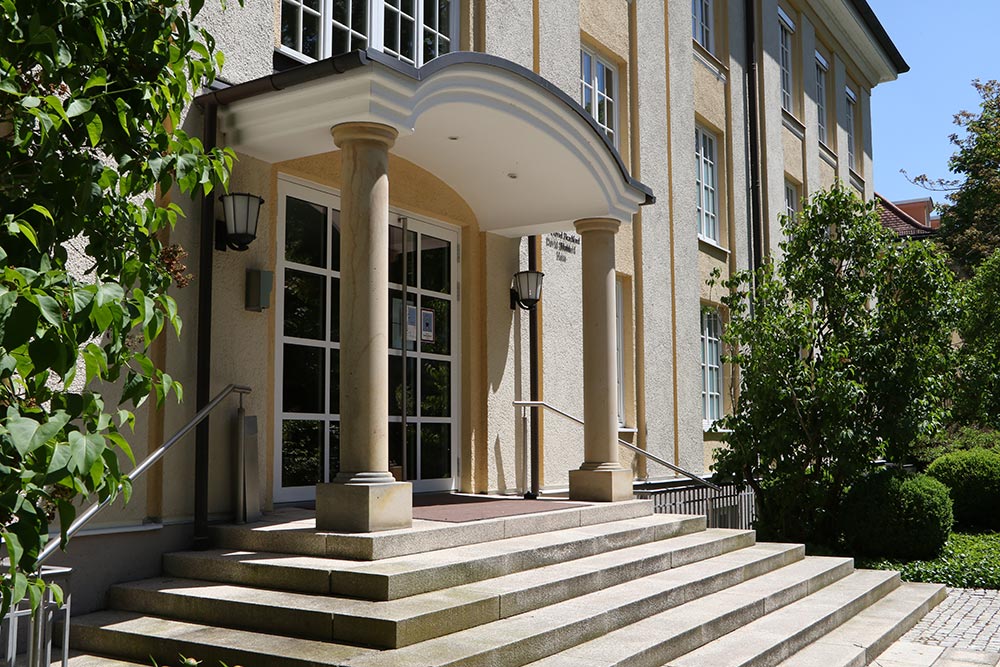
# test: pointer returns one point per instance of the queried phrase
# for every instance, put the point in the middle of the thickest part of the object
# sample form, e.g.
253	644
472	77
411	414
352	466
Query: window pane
303	379
439	310
396	450
359	16
444	17
435	388
301	444
407	47
390	33
290	25
396	256
305	304
334	448
435	451
335	310
429	45
430	13
334	382
310	35
340	12
305	232
341	41
396	385
402	323
435	264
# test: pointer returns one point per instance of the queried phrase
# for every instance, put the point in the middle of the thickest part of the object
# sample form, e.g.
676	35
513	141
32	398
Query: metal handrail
145	465
652	457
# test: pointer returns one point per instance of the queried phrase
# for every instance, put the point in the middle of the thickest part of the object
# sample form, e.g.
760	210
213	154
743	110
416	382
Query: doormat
459	509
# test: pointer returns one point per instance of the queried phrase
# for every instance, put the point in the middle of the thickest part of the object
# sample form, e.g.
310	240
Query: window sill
857	180
710	61
714	245
827	154
792	123
293	54
627	429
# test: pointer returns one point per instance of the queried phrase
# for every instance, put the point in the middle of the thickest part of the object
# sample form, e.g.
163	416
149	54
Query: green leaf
109	293
22	433
56	105
50	309
98	78
78	107
28	232
95	128
15	551
31	102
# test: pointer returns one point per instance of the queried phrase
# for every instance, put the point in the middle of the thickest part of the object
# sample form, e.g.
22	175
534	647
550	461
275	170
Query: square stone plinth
600	486
363	508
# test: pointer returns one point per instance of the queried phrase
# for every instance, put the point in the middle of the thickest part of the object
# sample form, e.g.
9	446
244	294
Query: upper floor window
822	69
413	31
786	28
701	23
706	184
599	91
711	367
852	107
791	199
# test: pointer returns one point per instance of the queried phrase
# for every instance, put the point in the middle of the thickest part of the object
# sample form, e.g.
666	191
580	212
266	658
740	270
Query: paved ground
962	631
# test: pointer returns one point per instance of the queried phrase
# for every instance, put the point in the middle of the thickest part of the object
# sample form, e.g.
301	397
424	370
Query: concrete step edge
394	624
293	531
399	577
863	638
662	637
532	636
783	632
141	637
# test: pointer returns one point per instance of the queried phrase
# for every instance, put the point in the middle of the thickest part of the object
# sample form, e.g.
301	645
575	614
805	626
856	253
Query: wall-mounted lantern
239	228
526	290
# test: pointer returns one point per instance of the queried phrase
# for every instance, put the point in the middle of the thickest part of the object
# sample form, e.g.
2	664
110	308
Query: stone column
600	478
364	497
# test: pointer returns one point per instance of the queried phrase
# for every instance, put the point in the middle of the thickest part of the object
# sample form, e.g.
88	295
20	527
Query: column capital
585	225
363	131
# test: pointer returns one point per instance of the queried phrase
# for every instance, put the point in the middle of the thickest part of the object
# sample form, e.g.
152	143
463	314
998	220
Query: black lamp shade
528	285
241	211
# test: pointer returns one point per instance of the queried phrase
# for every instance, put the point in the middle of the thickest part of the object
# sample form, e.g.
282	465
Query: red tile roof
899	221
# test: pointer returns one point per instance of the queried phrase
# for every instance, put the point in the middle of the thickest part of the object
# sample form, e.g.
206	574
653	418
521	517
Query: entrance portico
523	156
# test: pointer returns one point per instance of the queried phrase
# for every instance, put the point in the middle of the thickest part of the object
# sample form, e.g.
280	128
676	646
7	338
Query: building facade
412	157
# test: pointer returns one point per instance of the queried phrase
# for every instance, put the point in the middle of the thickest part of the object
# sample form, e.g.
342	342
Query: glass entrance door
423	347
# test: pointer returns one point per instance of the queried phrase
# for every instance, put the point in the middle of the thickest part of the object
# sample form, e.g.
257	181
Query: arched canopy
524	156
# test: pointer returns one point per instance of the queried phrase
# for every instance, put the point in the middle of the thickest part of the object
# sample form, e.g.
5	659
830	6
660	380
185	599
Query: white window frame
851	120
707	184
375	29
822	69
711	367
786	29
702	21
590	84
791	199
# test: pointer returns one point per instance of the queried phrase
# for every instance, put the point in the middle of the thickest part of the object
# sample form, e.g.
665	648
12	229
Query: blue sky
947	44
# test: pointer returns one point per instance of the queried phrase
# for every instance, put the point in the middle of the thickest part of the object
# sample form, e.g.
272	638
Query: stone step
521	639
397	623
778	635
403	576
137	637
77	659
860	640
659	638
293	530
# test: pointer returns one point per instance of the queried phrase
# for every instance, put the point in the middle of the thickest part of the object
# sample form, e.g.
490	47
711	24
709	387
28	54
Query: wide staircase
582	586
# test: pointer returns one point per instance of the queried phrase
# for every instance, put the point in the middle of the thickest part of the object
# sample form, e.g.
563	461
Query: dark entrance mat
459	509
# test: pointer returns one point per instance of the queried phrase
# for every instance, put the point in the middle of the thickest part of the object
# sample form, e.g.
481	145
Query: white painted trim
330	197
786	19
821	61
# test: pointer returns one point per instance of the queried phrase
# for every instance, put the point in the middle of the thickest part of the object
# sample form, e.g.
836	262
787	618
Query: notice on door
411	323
426	325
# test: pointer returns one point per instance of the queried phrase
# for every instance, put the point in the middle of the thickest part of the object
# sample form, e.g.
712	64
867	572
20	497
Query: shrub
926	449
895	515
968	561
973	477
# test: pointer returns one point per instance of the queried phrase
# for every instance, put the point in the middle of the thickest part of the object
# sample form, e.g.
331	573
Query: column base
363	508
603	486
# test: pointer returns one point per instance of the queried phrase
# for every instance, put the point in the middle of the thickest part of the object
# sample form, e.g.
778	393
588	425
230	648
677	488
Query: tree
844	353
970	221
977	399
91	98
